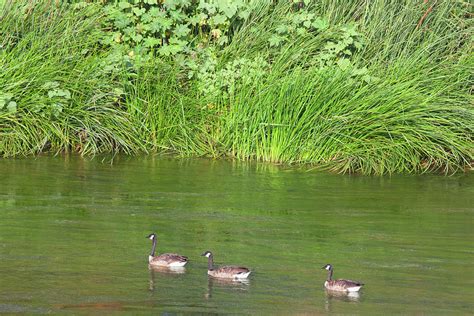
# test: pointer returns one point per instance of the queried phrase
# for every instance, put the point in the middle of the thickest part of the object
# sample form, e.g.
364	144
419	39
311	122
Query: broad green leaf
119	91
121	21
244	14
320	24
11	107
50	85
147	17
56	108
218	19
171	4
156	12
359	71
64	93
350	30
275	40
168	50
343	63
223	40
138	11
136	37
348	41
165	23
330	46
282	29
195	19
129	30
229	10
151	42
176	41
301	31
124	5
339	47
177	16
181	30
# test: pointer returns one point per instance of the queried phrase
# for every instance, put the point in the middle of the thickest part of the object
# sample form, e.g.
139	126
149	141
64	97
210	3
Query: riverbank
354	88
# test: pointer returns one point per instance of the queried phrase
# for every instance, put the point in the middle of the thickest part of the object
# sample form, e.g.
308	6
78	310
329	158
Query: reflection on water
232	284
342	296
169	272
94	306
333	297
82	222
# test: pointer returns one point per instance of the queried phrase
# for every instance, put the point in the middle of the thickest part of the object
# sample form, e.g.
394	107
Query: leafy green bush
171	27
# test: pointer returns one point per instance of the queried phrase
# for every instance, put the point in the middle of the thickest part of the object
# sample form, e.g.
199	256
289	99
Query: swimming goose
340	285
165	259
225	272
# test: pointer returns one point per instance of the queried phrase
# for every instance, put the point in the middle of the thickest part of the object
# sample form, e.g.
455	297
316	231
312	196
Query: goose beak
203	254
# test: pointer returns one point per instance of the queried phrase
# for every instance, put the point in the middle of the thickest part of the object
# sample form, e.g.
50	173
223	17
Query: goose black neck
153	248
210	262
329	275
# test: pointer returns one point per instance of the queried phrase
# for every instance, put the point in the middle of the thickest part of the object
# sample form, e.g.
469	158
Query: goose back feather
168	260
230	272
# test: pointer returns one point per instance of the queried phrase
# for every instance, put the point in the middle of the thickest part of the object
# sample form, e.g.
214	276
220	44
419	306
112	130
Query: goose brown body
229	272
225	272
165	259
340	285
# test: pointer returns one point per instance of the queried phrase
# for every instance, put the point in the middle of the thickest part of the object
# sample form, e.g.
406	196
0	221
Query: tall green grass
417	116
414	115
167	110
45	46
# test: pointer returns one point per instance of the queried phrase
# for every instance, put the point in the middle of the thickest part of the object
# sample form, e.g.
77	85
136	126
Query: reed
416	116
397	97
167	110
56	73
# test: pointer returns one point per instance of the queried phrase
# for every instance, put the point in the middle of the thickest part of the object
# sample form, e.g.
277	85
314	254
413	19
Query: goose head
327	267
152	236
207	254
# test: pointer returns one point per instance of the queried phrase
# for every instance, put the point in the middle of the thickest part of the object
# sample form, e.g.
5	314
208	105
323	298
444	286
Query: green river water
72	238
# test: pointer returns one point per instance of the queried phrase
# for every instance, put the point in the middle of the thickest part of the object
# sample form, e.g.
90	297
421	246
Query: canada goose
340	285
226	272
165	259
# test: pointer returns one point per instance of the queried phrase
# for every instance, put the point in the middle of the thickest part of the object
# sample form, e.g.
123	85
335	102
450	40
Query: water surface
72	238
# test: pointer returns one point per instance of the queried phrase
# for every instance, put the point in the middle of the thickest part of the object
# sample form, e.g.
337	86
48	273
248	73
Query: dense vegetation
355	86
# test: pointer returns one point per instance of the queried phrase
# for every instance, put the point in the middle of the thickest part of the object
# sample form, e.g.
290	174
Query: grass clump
61	81
392	95
351	86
